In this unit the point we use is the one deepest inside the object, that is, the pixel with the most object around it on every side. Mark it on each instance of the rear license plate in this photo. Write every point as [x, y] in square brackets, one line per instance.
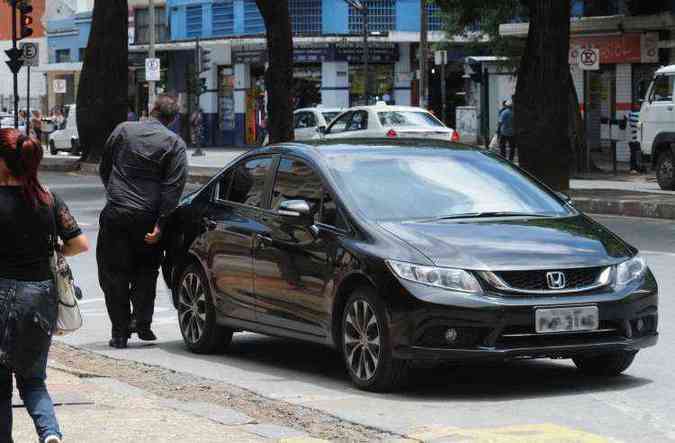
[579, 318]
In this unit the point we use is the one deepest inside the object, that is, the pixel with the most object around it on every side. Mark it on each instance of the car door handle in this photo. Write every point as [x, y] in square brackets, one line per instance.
[209, 224]
[670, 108]
[263, 240]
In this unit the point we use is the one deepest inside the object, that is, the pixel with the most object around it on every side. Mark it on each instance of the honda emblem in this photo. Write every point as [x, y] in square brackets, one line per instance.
[556, 280]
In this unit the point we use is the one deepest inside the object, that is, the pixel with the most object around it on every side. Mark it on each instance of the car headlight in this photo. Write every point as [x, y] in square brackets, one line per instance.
[446, 278]
[630, 270]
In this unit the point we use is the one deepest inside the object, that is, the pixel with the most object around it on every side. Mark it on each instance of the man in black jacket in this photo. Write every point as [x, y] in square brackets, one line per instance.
[144, 169]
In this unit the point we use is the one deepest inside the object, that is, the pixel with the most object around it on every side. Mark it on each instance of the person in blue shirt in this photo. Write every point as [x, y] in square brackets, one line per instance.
[505, 131]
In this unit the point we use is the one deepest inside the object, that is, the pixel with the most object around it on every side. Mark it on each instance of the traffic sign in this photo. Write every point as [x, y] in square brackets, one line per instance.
[589, 59]
[60, 86]
[441, 58]
[31, 54]
[15, 59]
[152, 70]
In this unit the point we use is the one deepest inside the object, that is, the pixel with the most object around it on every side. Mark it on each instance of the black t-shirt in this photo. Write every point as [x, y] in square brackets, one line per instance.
[25, 235]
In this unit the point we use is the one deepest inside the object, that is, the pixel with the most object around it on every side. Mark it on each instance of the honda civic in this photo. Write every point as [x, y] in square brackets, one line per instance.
[398, 251]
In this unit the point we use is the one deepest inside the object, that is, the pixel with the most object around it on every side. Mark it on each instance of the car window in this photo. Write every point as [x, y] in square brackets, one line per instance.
[296, 180]
[340, 124]
[382, 183]
[329, 116]
[330, 214]
[407, 118]
[662, 91]
[248, 181]
[223, 189]
[304, 120]
[358, 122]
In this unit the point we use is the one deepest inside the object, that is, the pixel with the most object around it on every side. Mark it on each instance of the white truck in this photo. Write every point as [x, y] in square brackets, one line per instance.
[656, 126]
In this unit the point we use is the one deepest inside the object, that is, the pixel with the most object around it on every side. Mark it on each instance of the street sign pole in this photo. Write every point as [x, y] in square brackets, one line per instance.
[444, 112]
[15, 73]
[151, 54]
[27, 100]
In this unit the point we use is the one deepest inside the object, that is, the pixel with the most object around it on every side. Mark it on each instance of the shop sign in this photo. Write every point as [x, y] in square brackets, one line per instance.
[624, 48]
[377, 53]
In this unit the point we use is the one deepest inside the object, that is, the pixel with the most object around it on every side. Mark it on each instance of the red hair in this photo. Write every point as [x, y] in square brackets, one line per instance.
[23, 156]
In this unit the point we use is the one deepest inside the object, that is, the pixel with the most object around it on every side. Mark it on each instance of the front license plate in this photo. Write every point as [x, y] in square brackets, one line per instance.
[579, 318]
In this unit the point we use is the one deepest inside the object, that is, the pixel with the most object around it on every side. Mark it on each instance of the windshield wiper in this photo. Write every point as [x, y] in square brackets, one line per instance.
[484, 214]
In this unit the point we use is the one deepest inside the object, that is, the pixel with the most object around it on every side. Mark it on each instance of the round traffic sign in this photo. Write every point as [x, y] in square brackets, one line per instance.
[588, 57]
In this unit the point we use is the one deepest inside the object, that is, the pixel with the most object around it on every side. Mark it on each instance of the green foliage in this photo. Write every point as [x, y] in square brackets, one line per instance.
[477, 22]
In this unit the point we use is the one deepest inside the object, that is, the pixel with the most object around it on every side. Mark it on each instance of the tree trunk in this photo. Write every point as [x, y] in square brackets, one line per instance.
[279, 74]
[542, 94]
[102, 101]
[577, 130]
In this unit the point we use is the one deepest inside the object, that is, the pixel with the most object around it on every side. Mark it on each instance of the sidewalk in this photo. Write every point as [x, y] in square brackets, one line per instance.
[99, 409]
[598, 193]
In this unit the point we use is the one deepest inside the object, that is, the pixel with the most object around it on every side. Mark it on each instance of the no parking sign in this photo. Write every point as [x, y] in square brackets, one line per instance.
[589, 59]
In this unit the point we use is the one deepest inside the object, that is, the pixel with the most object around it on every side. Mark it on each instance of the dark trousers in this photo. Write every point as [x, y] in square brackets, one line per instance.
[127, 267]
[511, 140]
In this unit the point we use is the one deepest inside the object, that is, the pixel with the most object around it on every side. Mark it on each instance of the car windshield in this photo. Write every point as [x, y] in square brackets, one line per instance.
[329, 116]
[387, 184]
[408, 118]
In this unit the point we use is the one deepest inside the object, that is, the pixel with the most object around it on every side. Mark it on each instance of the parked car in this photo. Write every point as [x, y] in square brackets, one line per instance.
[66, 138]
[656, 127]
[382, 120]
[404, 250]
[309, 123]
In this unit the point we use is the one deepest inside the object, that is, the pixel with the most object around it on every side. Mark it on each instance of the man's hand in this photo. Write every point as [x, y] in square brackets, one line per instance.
[152, 238]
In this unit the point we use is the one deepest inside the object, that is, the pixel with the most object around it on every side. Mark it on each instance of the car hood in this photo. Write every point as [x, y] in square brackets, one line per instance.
[513, 244]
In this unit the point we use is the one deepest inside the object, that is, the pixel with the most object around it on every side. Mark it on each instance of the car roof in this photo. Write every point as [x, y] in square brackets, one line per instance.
[321, 149]
[319, 108]
[384, 108]
[666, 70]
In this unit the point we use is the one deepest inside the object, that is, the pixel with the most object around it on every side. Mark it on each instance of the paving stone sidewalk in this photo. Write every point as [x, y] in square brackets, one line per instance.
[97, 409]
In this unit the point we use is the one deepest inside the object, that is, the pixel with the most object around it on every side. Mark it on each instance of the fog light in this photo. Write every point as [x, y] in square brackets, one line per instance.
[640, 325]
[451, 335]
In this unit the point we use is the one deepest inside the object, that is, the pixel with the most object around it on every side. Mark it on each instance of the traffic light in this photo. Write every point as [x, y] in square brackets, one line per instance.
[204, 60]
[202, 85]
[15, 59]
[26, 20]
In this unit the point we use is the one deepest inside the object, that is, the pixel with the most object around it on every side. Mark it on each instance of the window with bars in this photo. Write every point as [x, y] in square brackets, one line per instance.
[142, 25]
[253, 21]
[435, 18]
[305, 16]
[381, 17]
[193, 21]
[223, 18]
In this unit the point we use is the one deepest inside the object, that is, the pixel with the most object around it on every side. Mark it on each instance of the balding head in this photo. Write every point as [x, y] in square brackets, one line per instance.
[165, 108]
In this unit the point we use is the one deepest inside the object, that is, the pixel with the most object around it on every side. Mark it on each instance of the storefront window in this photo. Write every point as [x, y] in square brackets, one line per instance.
[381, 83]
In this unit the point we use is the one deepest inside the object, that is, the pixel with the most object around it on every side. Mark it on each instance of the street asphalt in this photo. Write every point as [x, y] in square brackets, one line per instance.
[547, 400]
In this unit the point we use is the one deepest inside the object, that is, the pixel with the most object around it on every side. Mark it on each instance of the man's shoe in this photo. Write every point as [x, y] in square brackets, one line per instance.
[118, 342]
[146, 335]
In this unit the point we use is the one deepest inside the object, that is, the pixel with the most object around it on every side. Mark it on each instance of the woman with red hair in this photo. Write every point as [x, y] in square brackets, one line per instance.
[29, 217]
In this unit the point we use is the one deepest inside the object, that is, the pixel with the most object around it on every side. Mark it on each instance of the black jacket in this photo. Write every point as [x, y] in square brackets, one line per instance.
[144, 168]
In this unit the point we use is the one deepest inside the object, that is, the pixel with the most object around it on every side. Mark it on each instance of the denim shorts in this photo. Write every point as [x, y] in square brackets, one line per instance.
[28, 313]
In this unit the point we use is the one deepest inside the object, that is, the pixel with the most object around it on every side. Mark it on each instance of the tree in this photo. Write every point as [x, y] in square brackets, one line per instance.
[102, 93]
[546, 106]
[279, 74]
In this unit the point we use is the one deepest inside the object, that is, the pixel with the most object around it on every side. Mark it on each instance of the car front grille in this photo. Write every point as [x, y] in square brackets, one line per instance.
[537, 281]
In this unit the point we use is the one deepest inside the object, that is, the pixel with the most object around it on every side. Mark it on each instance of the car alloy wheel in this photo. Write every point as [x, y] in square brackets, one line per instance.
[197, 314]
[665, 173]
[192, 307]
[362, 340]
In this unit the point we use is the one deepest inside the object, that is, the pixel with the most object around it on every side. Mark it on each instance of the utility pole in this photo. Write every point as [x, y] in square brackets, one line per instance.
[28, 100]
[444, 98]
[366, 50]
[151, 53]
[16, 80]
[197, 91]
[424, 48]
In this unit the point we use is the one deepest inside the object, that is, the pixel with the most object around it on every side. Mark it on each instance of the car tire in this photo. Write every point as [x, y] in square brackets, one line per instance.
[605, 365]
[368, 356]
[52, 148]
[197, 314]
[665, 172]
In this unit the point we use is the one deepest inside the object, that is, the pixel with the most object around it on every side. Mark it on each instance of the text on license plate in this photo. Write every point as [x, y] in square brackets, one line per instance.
[578, 318]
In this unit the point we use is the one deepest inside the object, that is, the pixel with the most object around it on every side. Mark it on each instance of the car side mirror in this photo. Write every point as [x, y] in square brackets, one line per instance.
[564, 197]
[295, 208]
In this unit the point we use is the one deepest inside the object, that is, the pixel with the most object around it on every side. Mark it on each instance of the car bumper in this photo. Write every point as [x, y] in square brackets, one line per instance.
[503, 328]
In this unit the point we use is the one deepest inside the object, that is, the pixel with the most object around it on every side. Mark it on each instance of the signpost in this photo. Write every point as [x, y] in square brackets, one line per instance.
[60, 86]
[152, 70]
[30, 57]
[441, 58]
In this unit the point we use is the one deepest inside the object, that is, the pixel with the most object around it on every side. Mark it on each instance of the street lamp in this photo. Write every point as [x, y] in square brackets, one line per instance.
[362, 7]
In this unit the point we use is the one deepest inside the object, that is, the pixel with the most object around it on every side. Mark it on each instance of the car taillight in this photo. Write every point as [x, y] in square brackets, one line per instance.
[455, 136]
[392, 134]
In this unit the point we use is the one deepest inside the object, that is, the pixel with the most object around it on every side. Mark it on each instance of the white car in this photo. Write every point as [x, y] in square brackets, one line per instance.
[308, 122]
[66, 138]
[382, 120]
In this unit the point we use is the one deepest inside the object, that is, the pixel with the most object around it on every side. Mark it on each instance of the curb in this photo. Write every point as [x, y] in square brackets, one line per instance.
[626, 208]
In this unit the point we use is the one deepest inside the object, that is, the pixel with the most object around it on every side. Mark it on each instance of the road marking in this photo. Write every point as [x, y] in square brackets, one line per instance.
[545, 432]
[90, 300]
[670, 254]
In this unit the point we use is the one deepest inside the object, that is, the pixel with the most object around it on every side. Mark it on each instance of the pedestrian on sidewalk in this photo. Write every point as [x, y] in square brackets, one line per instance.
[505, 131]
[28, 298]
[144, 169]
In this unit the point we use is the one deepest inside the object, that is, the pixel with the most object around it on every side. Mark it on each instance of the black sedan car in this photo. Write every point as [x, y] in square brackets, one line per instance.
[400, 251]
